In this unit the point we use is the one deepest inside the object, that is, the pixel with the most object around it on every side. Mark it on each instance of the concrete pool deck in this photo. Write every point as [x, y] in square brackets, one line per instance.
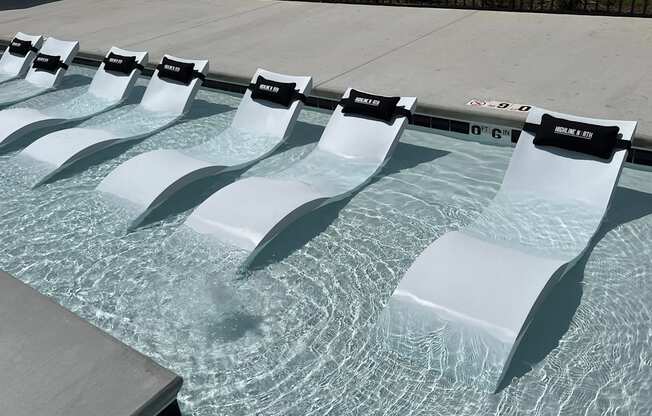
[589, 65]
[54, 363]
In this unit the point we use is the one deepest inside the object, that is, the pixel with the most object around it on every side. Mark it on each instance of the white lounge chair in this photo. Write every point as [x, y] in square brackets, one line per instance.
[491, 275]
[18, 56]
[46, 72]
[164, 102]
[108, 89]
[353, 148]
[258, 128]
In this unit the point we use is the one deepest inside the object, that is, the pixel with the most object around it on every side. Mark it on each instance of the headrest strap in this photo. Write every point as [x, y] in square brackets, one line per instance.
[195, 73]
[32, 47]
[295, 96]
[533, 128]
[403, 112]
[399, 111]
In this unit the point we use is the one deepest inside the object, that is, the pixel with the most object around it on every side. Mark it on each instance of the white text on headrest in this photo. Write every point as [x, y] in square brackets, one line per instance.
[172, 68]
[580, 134]
[269, 88]
[367, 101]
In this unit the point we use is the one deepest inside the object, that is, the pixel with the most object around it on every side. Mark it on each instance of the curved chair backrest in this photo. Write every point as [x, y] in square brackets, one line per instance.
[19, 65]
[561, 174]
[362, 137]
[169, 96]
[66, 50]
[115, 86]
[267, 117]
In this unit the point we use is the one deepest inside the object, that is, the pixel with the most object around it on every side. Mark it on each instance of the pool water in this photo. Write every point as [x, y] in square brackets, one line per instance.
[307, 330]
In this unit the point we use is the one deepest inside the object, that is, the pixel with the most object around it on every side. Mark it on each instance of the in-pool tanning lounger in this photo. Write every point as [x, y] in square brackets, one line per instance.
[110, 86]
[45, 74]
[357, 141]
[167, 98]
[264, 120]
[491, 275]
[18, 56]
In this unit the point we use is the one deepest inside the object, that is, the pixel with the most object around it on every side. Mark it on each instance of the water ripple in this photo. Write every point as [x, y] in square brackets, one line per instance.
[307, 330]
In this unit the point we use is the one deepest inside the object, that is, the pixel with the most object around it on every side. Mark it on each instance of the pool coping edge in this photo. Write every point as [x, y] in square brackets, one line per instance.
[439, 118]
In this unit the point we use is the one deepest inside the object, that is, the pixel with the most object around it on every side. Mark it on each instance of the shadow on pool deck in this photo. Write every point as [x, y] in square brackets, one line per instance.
[297, 234]
[22, 4]
[553, 318]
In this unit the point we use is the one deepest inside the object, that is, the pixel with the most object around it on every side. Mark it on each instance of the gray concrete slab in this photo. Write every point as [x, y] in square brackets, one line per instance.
[575, 64]
[54, 363]
[589, 65]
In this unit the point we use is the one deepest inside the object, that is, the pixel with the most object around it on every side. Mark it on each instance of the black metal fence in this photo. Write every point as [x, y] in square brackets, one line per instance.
[638, 8]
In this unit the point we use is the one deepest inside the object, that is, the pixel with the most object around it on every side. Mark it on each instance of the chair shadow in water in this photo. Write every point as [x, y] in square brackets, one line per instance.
[297, 234]
[553, 317]
[22, 4]
[234, 326]
[199, 190]
[73, 81]
[29, 138]
[303, 134]
[206, 109]
[202, 108]
[70, 81]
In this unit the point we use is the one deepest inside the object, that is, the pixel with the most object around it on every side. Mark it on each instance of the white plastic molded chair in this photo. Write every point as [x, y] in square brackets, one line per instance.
[37, 82]
[249, 213]
[258, 128]
[13, 66]
[492, 274]
[106, 90]
[163, 103]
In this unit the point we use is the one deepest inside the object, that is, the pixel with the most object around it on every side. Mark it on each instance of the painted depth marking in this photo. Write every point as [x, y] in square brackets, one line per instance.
[500, 105]
[491, 132]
